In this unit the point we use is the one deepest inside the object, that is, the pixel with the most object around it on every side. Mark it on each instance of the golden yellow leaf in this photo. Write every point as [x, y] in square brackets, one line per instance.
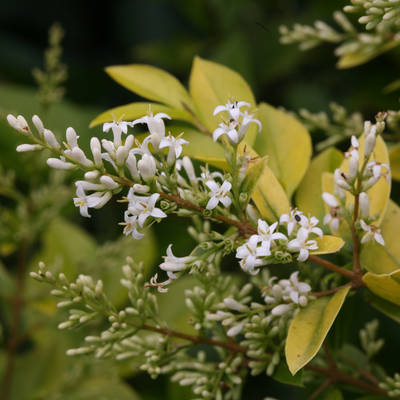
[310, 327]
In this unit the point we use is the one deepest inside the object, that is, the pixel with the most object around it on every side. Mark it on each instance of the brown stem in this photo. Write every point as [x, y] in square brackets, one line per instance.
[232, 346]
[17, 305]
[331, 291]
[338, 376]
[324, 385]
[245, 227]
[362, 371]
[335, 268]
[331, 363]
[332, 373]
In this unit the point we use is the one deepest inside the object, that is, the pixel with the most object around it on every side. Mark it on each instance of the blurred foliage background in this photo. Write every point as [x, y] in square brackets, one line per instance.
[241, 34]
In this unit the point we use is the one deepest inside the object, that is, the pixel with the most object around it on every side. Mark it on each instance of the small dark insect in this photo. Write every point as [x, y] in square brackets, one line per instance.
[297, 218]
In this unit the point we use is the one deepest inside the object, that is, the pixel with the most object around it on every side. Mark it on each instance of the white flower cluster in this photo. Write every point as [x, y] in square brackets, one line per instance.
[269, 247]
[235, 128]
[359, 178]
[287, 294]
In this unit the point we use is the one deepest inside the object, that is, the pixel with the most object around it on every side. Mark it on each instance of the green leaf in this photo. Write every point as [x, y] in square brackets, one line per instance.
[372, 397]
[355, 58]
[282, 374]
[386, 286]
[253, 176]
[380, 192]
[172, 305]
[151, 83]
[328, 244]
[394, 155]
[102, 387]
[330, 394]
[309, 328]
[395, 85]
[138, 110]
[309, 194]
[210, 85]
[384, 259]
[288, 144]
[386, 307]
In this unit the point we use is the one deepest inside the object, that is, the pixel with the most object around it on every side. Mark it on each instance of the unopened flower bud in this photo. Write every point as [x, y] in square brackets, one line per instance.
[91, 175]
[364, 205]
[380, 127]
[353, 167]
[370, 142]
[121, 155]
[23, 148]
[369, 183]
[234, 305]
[235, 330]
[109, 148]
[343, 184]
[51, 139]
[56, 163]
[80, 156]
[108, 182]
[367, 127]
[38, 125]
[280, 310]
[147, 167]
[72, 137]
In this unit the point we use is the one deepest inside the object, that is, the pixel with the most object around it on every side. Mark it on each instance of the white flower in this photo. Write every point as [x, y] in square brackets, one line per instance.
[147, 209]
[354, 151]
[175, 144]
[296, 289]
[246, 121]
[292, 219]
[117, 126]
[333, 216]
[155, 125]
[249, 252]
[218, 194]
[309, 224]
[376, 168]
[266, 235]
[372, 232]
[131, 225]
[230, 132]
[302, 244]
[232, 108]
[85, 202]
[172, 263]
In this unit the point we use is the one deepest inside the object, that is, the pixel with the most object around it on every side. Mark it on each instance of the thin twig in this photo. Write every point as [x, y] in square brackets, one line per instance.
[201, 127]
[331, 291]
[324, 385]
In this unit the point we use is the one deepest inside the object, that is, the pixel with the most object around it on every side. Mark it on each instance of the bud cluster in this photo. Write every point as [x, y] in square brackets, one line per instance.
[363, 174]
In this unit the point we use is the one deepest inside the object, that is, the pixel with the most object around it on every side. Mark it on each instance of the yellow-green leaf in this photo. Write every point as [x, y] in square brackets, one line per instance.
[394, 155]
[380, 259]
[138, 110]
[328, 244]
[386, 286]
[269, 196]
[210, 85]
[309, 194]
[151, 83]
[253, 176]
[310, 327]
[355, 58]
[201, 147]
[288, 144]
[386, 307]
